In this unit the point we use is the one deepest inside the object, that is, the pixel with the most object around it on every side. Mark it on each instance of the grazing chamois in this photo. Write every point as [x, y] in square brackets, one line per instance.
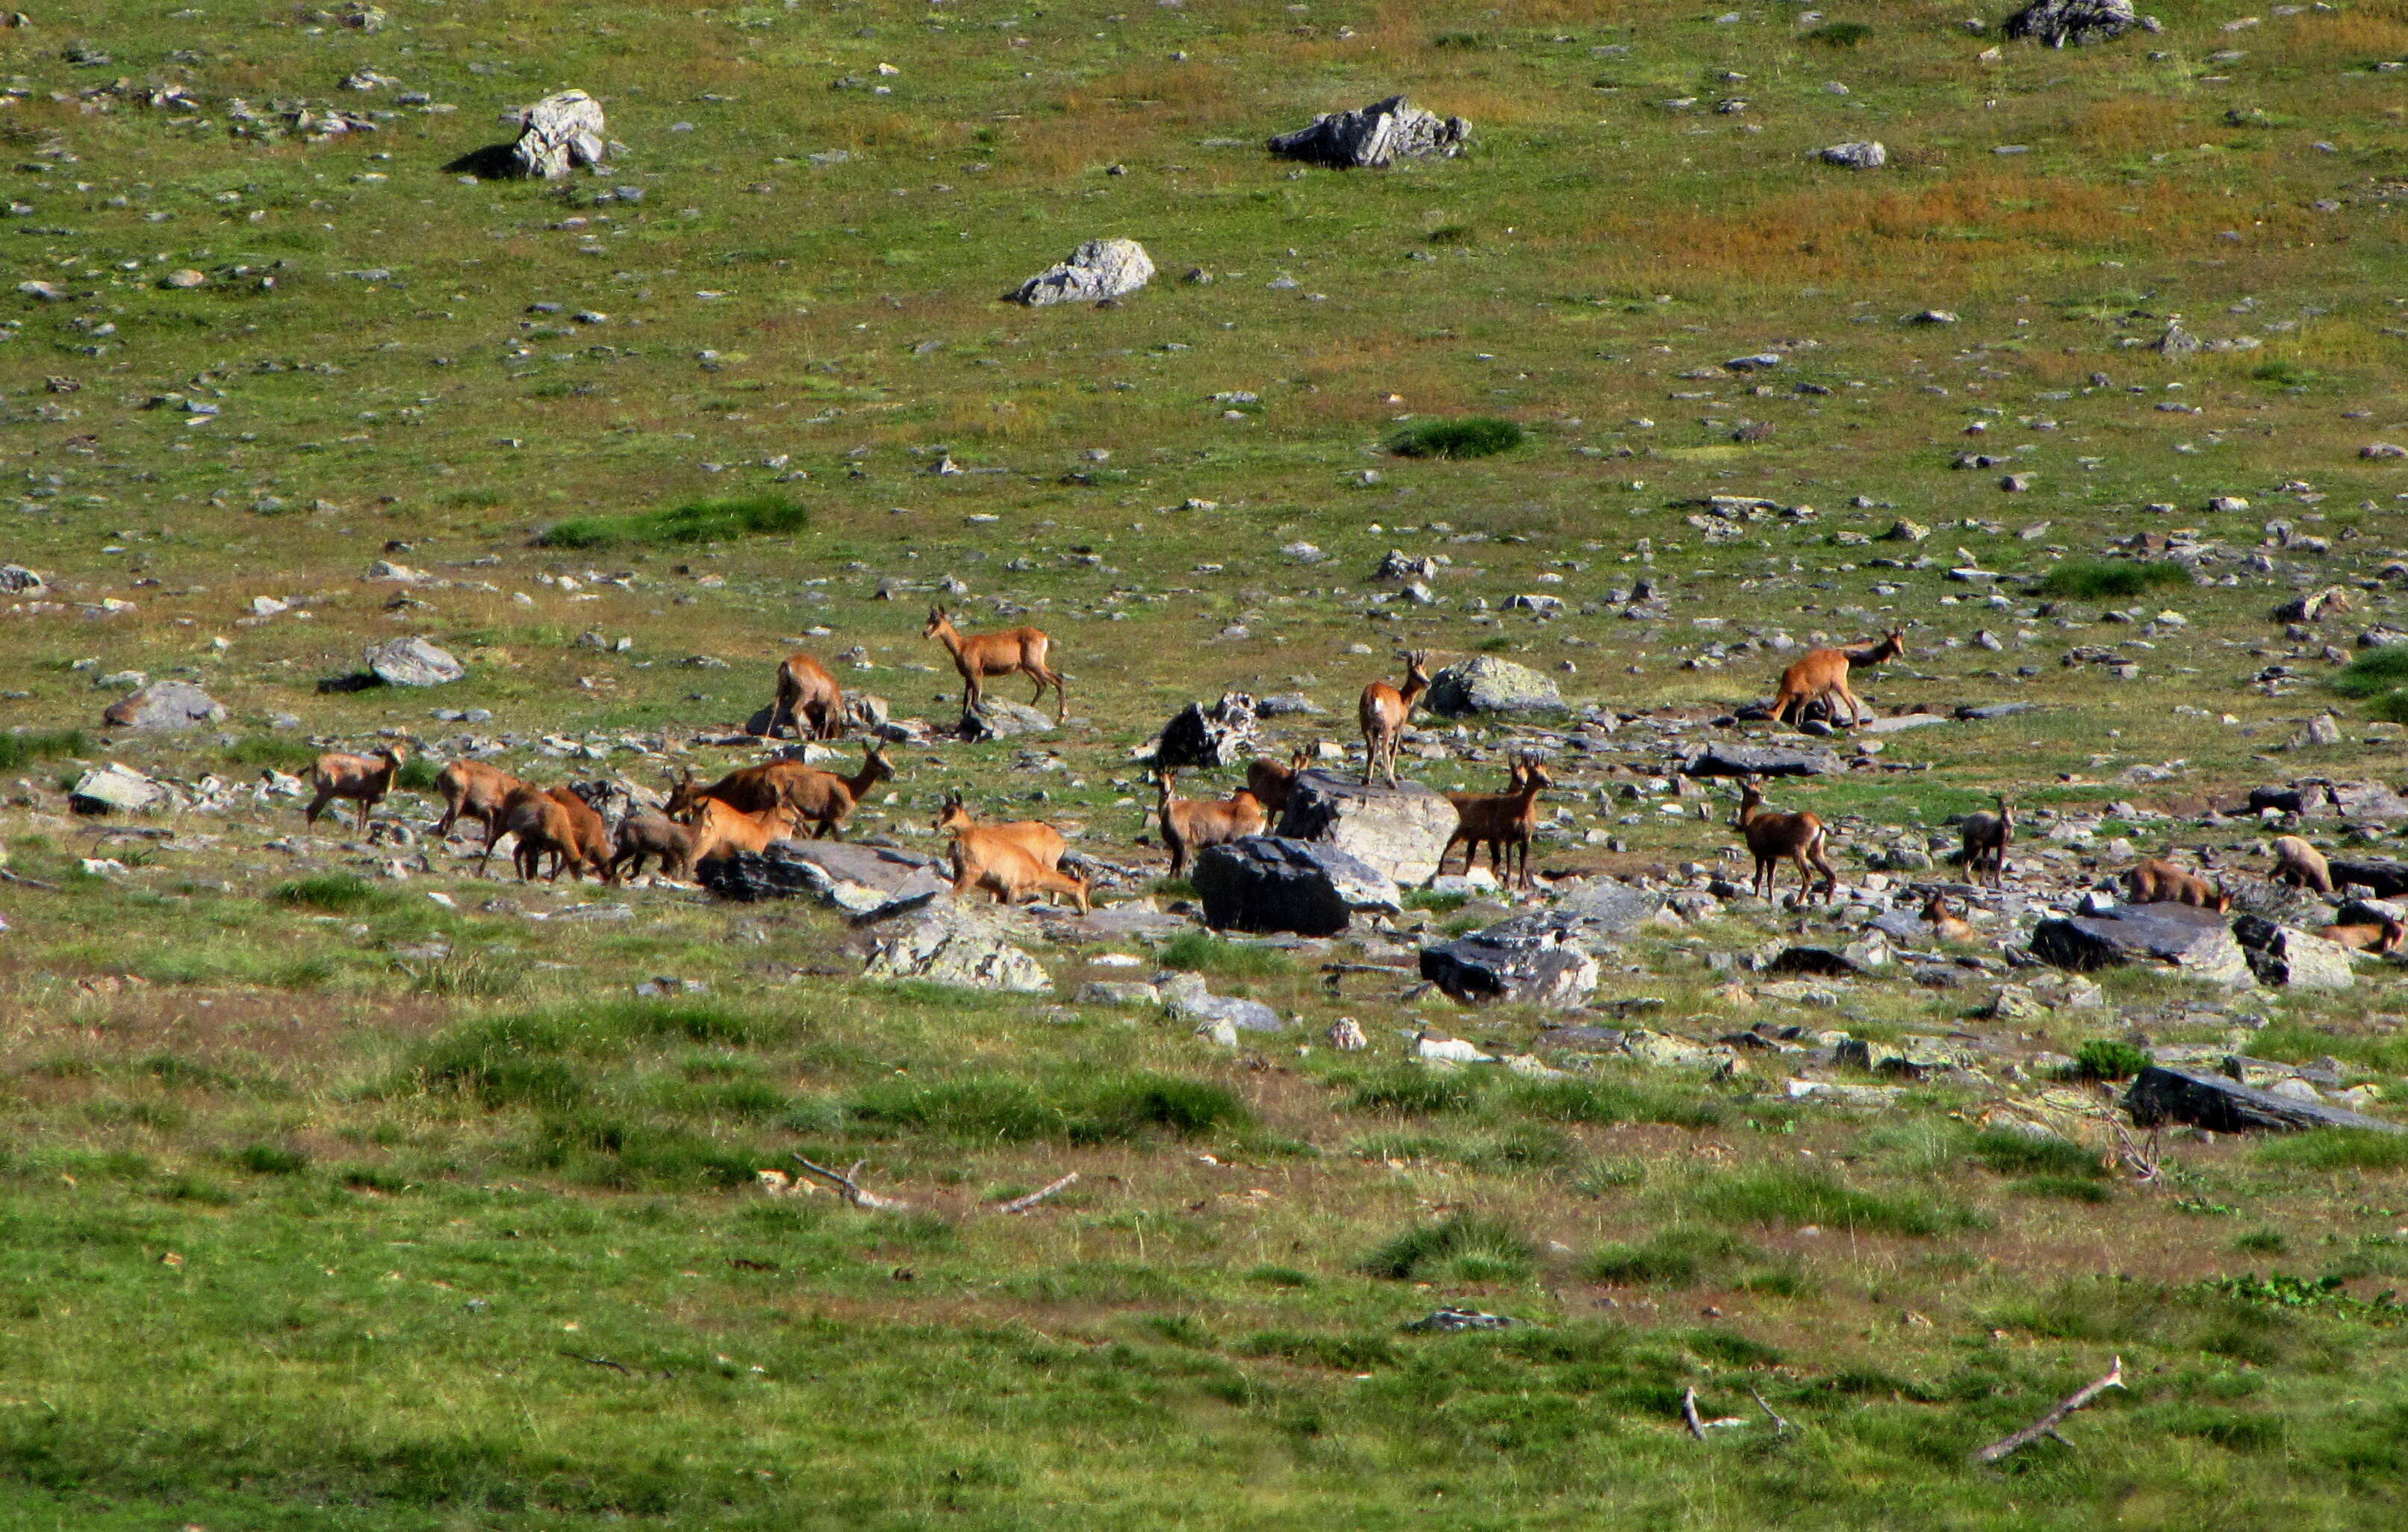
[1773, 839]
[647, 832]
[748, 789]
[806, 694]
[1985, 837]
[1271, 782]
[560, 824]
[1384, 712]
[1190, 824]
[2157, 881]
[823, 798]
[472, 790]
[1502, 822]
[719, 830]
[2383, 937]
[2301, 865]
[1009, 861]
[1824, 673]
[1012, 651]
[364, 779]
[1945, 922]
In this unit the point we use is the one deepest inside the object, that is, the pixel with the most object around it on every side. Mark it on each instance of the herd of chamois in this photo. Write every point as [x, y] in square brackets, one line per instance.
[558, 829]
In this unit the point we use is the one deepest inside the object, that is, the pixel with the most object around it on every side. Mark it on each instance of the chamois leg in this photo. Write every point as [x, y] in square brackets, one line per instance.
[367, 806]
[318, 806]
[1857, 712]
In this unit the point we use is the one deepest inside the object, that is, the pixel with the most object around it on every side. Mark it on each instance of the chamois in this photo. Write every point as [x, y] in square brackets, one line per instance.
[1009, 861]
[1012, 651]
[2383, 937]
[719, 830]
[365, 778]
[748, 789]
[472, 790]
[1035, 837]
[1190, 824]
[1945, 922]
[554, 821]
[1271, 782]
[2301, 865]
[1772, 839]
[647, 832]
[806, 694]
[1384, 712]
[1502, 822]
[1985, 837]
[823, 798]
[1824, 673]
[2156, 882]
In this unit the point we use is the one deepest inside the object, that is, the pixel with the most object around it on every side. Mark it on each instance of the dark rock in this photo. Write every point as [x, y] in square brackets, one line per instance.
[1486, 684]
[2196, 942]
[2383, 877]
[1514, 963]
[1452, 1321]
[2058, 22]
[1718, 759]
[1970, 713]
[2283, 800]
[1817, 962]
[859, 878]
[168, 705]
[1374, 136]
[1268, 883]
[2166, 1093]
[1398, 831]
[2281, 955]
[1219, 736]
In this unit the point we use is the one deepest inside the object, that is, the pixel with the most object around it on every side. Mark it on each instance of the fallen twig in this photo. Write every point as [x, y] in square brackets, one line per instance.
[1021, 1204]
[619, 1368]
[1779, 1426]
[2046, 1426]
[29, 882]
[850, 1189]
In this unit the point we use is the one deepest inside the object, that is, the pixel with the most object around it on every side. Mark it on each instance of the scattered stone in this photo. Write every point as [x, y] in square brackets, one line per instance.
[1000, 718]
[2167, 1093]
[1098, 270]
[1514, 963]
[1971, 715]
[183, 277]
[16, 580]
[118, 790]
[1219, 736]
[1862, 154]
[2194, 942]
[1289, 705]
[1486, 684]
[413, 661]
[559, 134]
[1725, 760]
[1399, 831]
[169, 705]
[859, 879]
[1188, 999]
[959, 945]
[1454, 1321]
[1373, 137]
[1271, 883]
[2058, 22]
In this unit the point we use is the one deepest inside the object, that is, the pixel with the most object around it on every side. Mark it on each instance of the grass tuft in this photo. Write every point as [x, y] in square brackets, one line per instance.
[1475, 436]
[1678, 1256]
[1196, 951]
[2107, 580]
[2338, 1149]
[334, 892]
[721, 520]
[19, 748]
[1462, 1246]
[1793, 1195]
[2109, 1058]
[1840, 33]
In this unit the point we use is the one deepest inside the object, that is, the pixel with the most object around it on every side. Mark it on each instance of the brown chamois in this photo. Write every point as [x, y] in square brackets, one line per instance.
[1823, 674]
[1945, 922]
[364, 779]
[2301, 865]
[1382, 714]
[1009, 861]
[647, 832]
[1985, 837]
[1503, 821]
[1034, 837]
[2383, 937]
[568, 831]
[806, 695]
[823, 798]
[1190, 824]
[472, 790]
[719, 830]
[748, 790]
[1271, 782]
[1012, 651]
[1773, 839]
[2157, 881]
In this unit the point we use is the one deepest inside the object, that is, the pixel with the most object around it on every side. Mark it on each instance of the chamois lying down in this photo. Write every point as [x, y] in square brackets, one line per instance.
[2160, 882]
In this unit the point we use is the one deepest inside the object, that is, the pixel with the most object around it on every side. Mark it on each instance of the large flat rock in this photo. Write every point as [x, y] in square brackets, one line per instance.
[2166, 1093]
[1269, 883]
[1733, 760]
[1398, 831]
[2194, 942]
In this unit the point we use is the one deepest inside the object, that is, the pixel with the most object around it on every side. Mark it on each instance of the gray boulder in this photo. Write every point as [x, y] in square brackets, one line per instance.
[956, 944]
[1862, 154]
[118, 790]
[1728, 760]
[845, 875]
[1373, 137]
[1000, 718]
[413, 661]
[1189, 1000]
[1398, 831]
[1486, 684]
[2166, 1093]
[1514, 963]
[1219, 736]
[168, 705]
[1267, 883]
[1095, 271]
[16, 580]
[2194, 942]
[559, 134]
[2058, 22]
[2285, 955]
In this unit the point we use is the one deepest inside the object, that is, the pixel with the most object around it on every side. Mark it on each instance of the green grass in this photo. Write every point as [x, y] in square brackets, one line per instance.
[21, 748]
[1674, 1257]
[1462, 1246]
[334, 892]
[1840, 33]
[1199, 951]
[1786, 1195]
[695, 522]
[2111, 579]
[2337, 1149]
[1477, 436]
[2377, 673]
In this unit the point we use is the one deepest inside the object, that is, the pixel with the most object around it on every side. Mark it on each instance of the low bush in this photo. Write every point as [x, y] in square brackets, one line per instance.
[1474, 436]
[1462, 1247]
[2109, 1058]
[2105, 579]
[720, 520]
[334, 892]
[2030, 1154]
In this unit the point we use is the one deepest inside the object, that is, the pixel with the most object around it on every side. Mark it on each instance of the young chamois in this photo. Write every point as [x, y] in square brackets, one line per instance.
[1010, 861]
[1502, 822]
[364, 779]
[1945, 922]
[1190, 824]
[824, 799]
[1384, 712]
[1271, 782]
[1012, 651]
[2301, 865]
[554, 821]
[748, 789]
[647, 832]
[1985, 839]
[719, 828]
[472, 790]
[2157, 881]
[2384, 936]
[806, 694]
[1823, 674]
[1773, 839]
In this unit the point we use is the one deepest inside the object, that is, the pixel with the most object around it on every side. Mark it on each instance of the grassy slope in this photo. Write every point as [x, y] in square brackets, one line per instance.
[384, 1221]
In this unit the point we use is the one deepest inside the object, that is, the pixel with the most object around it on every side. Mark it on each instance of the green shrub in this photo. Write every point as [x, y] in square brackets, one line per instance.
[334, 892]
[1672, 1258]
[1795, 1195]
[2028, 1155]
[2378, 672]
[1840, 33]
[720, 520]
[19, 748]
[284, 753]
[1134, 1105]
[1467, 1247]
[1475, 436]
[2109, 1058]
[2105, 580]
[996, 1108]
[1196, 951]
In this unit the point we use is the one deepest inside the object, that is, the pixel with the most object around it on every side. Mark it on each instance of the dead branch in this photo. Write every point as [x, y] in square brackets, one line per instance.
[850, 1190]
[29, 882]
[621, 1368]
[1779, 1426]
[1689, 1413]
[1021, 1204]
[2046, 1426]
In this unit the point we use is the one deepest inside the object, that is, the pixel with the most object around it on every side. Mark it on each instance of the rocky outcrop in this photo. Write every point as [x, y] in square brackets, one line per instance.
[1398, 831]
[1268, 883]
[2166, 1093]
[1725, 760]
[2383, 877]
[956, 944]
[1373, 137]
[413, 661]
[2282, 954]
[1098, 270]
[1219, 736]
[2058, 22]
[559, 134]
[2194, 942]
[1486, 684]
[845, 875]
[1000, 718]
[1859, 154]
[1514, 963]
[118, 790]
[167, 706]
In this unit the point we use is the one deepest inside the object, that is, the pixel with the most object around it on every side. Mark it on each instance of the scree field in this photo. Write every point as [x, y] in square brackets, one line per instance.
[343, 1185]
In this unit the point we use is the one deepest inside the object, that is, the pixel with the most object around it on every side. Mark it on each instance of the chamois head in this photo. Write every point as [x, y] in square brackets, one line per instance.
[1416, 663]
[685, 796]
[1532, 772]
[938, 622]
[954, 814]
[2393, 935]
[395, 753]
[875, 765]
[1750, 800]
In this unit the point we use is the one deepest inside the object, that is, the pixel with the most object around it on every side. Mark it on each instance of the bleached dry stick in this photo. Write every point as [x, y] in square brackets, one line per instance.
[1779, 1426]
[1689, 1413]
[1021, 1204]
[850, 1190]
[2046, 1426]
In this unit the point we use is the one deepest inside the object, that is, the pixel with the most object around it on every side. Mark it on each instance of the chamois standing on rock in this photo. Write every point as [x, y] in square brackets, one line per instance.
[1985, 836]
[1823, 674]
[1773, 839]
[1010, 861]
[1271, 783]
[2384, 936]
[2159, 881]
[806, 695]
[1384, 712]
[2301, 865]
[1015, 651]
[1504, 821]
[364, 779]
[472, 790]
[1190, 824]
